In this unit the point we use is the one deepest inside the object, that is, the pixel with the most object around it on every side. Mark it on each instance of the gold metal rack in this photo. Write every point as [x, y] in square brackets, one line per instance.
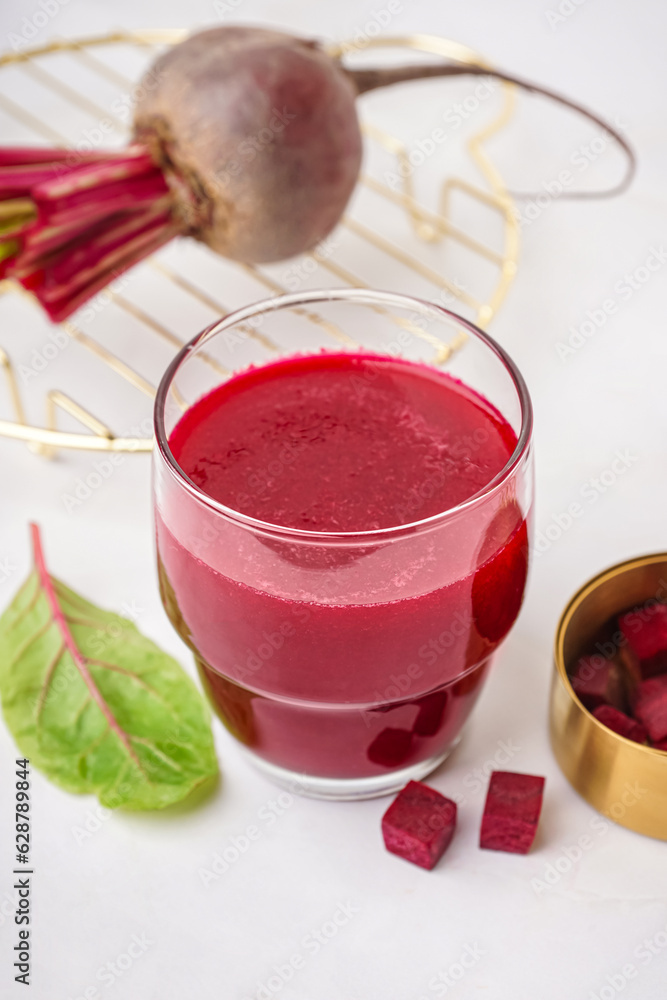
[429, 226]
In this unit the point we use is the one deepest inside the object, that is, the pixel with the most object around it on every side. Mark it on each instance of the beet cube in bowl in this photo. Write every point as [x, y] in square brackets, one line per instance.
[621, 723]
[651, 707]
[511, 812]
[646, 637]
[597, 681]
[419, 824]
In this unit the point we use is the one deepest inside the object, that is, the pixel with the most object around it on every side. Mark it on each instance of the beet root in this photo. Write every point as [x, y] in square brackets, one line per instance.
[511, 812]
[621, 723]
[646, 635]
[258, 132]
[651, 707]
[246, 139]
[419, 825]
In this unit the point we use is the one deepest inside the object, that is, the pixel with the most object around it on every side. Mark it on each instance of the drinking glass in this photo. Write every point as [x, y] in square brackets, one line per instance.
[344, 663]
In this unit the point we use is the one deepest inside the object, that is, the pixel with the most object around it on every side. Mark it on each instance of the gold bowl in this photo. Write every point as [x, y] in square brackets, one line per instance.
[625, 781]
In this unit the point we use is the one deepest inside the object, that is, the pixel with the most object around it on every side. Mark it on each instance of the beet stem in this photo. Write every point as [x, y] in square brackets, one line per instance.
[136, 163]
[18, 156]
[59, 310]
[83, 223]
[127, 194]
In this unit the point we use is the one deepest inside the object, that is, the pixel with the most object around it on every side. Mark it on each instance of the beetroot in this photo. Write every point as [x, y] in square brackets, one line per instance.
[646, 649]
[660, 745]
[651, 707]
[621, 723]
[598, 681]
[419, 824]
[511, 812]
[244, 138]
[274, 175]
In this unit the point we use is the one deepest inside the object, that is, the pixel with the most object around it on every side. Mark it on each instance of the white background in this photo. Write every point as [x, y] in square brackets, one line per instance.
[139, 874]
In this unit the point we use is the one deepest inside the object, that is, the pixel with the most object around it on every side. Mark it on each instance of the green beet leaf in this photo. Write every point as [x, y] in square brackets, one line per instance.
[95, 704]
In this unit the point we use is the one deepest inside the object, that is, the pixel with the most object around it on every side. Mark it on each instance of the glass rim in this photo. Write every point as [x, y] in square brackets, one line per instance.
[362, 296]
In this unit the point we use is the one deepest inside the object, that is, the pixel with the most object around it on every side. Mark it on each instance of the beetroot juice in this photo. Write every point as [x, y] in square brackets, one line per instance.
[342, 628]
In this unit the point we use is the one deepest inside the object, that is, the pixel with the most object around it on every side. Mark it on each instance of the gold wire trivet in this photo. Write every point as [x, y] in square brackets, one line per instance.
[429, 226]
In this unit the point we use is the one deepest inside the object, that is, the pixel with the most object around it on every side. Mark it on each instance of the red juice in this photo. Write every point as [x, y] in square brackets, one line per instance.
[330, 656]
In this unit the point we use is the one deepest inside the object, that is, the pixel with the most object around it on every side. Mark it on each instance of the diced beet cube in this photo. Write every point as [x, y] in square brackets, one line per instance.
[621, 723]
[598, 681]
[511, 812]
[660, 745]
[419, 824]
[646, 633]
[651, 707]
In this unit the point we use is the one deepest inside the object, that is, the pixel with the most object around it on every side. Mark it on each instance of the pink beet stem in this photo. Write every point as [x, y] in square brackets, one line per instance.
[67, 271]
[20, 180]
[81, 261]
[21, 171]
[95, 175]
[38, 240]
[58, 310]
[16, 155]
[106, 200]
[96, 217]
[56, 295]
[39, 256]
[61, 271]
[92, 214]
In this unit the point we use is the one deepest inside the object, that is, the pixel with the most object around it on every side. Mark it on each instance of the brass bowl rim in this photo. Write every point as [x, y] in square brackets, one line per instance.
[564, 623]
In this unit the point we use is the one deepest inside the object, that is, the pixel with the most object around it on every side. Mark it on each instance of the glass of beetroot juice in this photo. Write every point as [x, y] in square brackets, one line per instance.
[341, 507]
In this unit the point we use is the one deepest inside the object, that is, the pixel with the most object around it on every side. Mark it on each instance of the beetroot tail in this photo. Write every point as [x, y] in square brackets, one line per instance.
[371, 79]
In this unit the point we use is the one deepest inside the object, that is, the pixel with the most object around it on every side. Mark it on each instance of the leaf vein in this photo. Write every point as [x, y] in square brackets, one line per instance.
[58, 617]
[84, 705]
[157, 752]
[85, 622]
[130, 673]
[24, 612]
[43, 628]
[50, 670]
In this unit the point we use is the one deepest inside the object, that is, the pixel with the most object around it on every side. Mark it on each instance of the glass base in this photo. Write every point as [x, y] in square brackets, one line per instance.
[347, 789]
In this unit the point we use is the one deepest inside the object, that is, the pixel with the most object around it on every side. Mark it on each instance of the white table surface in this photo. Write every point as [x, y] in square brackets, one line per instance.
[406, 930]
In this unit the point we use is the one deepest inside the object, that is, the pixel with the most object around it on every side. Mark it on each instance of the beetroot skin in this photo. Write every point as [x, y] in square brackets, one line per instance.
[511, 812]
[646, 637]
[259, 132]
[621, 723]
[597, 681]
[419, 825]
[651, 707]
